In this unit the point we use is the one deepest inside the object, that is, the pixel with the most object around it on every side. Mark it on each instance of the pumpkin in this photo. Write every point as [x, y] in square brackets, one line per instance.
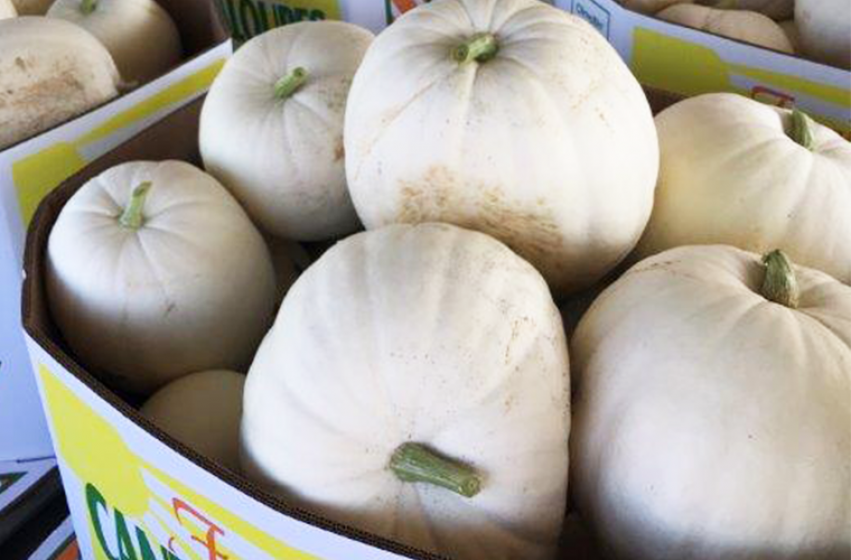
[415, 385]
[775, 9]
[32, 7]
[272, 128]
[203, 412]
[50, 71]
[154, 271]
[140, 35]
[650, 6]
[7, 9]
[503, 117]
[737, 172]
[712, 410]
[742, 25]
[825, 30]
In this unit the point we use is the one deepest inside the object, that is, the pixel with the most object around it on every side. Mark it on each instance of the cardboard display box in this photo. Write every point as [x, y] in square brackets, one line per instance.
[32, 168]
[664, 56]
[131, 487]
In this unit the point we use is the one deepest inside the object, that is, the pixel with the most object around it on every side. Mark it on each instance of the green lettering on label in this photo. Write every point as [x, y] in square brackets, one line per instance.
[126, 550]
[95, 499]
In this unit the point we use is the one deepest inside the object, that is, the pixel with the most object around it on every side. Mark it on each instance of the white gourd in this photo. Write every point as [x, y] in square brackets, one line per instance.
[140, 35]
[711, 421]
[154, 272]
[203, 411]
[272, 128]
[738, 172]
[742, 25]
[825, 30]
[50, 71]
[412, 336]
[505, 116]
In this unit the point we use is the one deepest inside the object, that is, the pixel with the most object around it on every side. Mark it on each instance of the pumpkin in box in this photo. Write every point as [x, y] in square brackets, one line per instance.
[139, 34]
[154, 271]
[50, 71]
[272, 128]
[712, 410]
[415, 385]
[738, 172]
[509, 117]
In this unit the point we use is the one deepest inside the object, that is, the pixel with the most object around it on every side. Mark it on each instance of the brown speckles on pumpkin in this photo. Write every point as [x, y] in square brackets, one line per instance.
[441, 196]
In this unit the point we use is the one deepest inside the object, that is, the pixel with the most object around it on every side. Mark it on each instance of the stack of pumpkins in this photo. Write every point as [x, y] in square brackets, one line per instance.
[61, 58]
[415, 382]
[818, 29]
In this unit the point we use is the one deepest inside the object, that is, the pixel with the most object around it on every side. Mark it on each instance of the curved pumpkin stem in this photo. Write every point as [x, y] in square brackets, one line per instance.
[288, 85]
[132, 217]
[480, 47]
[414, 462]
[780, 284]
[802, 129]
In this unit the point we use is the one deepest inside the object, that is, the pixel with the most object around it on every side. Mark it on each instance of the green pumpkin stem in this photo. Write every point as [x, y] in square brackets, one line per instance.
[480, 47]
[132, 217]
[288, 85]
[413, 462]
[802, 129]
[780, 284]
[88, 6]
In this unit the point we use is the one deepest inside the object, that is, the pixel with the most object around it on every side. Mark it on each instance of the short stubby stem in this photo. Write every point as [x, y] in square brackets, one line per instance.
[88, 6]
[480, 47]
[133, 217]
[801, 130]
[288, 85]
[780, 284]
[414, 462]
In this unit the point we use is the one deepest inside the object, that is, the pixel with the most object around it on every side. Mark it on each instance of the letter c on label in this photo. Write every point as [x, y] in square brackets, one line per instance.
[94, 499]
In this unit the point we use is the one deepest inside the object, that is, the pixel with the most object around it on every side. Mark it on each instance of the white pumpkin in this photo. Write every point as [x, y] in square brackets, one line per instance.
[505, 116]
[825, 30]
[775, 9]
[7, 9]
[742, 25]
[731, 173]
[412, 336]
[50, 71]
[651, 6]
[203, 411]
[709, 422]
[154, 272]
[272, 127]
[32, 7]
[140, 35]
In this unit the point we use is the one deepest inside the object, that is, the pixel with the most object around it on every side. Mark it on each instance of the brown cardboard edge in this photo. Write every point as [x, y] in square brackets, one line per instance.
[35, 312]
[215, 31]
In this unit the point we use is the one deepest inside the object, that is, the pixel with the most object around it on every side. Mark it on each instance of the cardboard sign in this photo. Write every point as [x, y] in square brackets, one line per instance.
[31, 169]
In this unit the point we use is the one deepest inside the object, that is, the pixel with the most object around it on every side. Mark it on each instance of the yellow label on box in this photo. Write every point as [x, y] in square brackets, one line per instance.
[135, 511]
[39, 173]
